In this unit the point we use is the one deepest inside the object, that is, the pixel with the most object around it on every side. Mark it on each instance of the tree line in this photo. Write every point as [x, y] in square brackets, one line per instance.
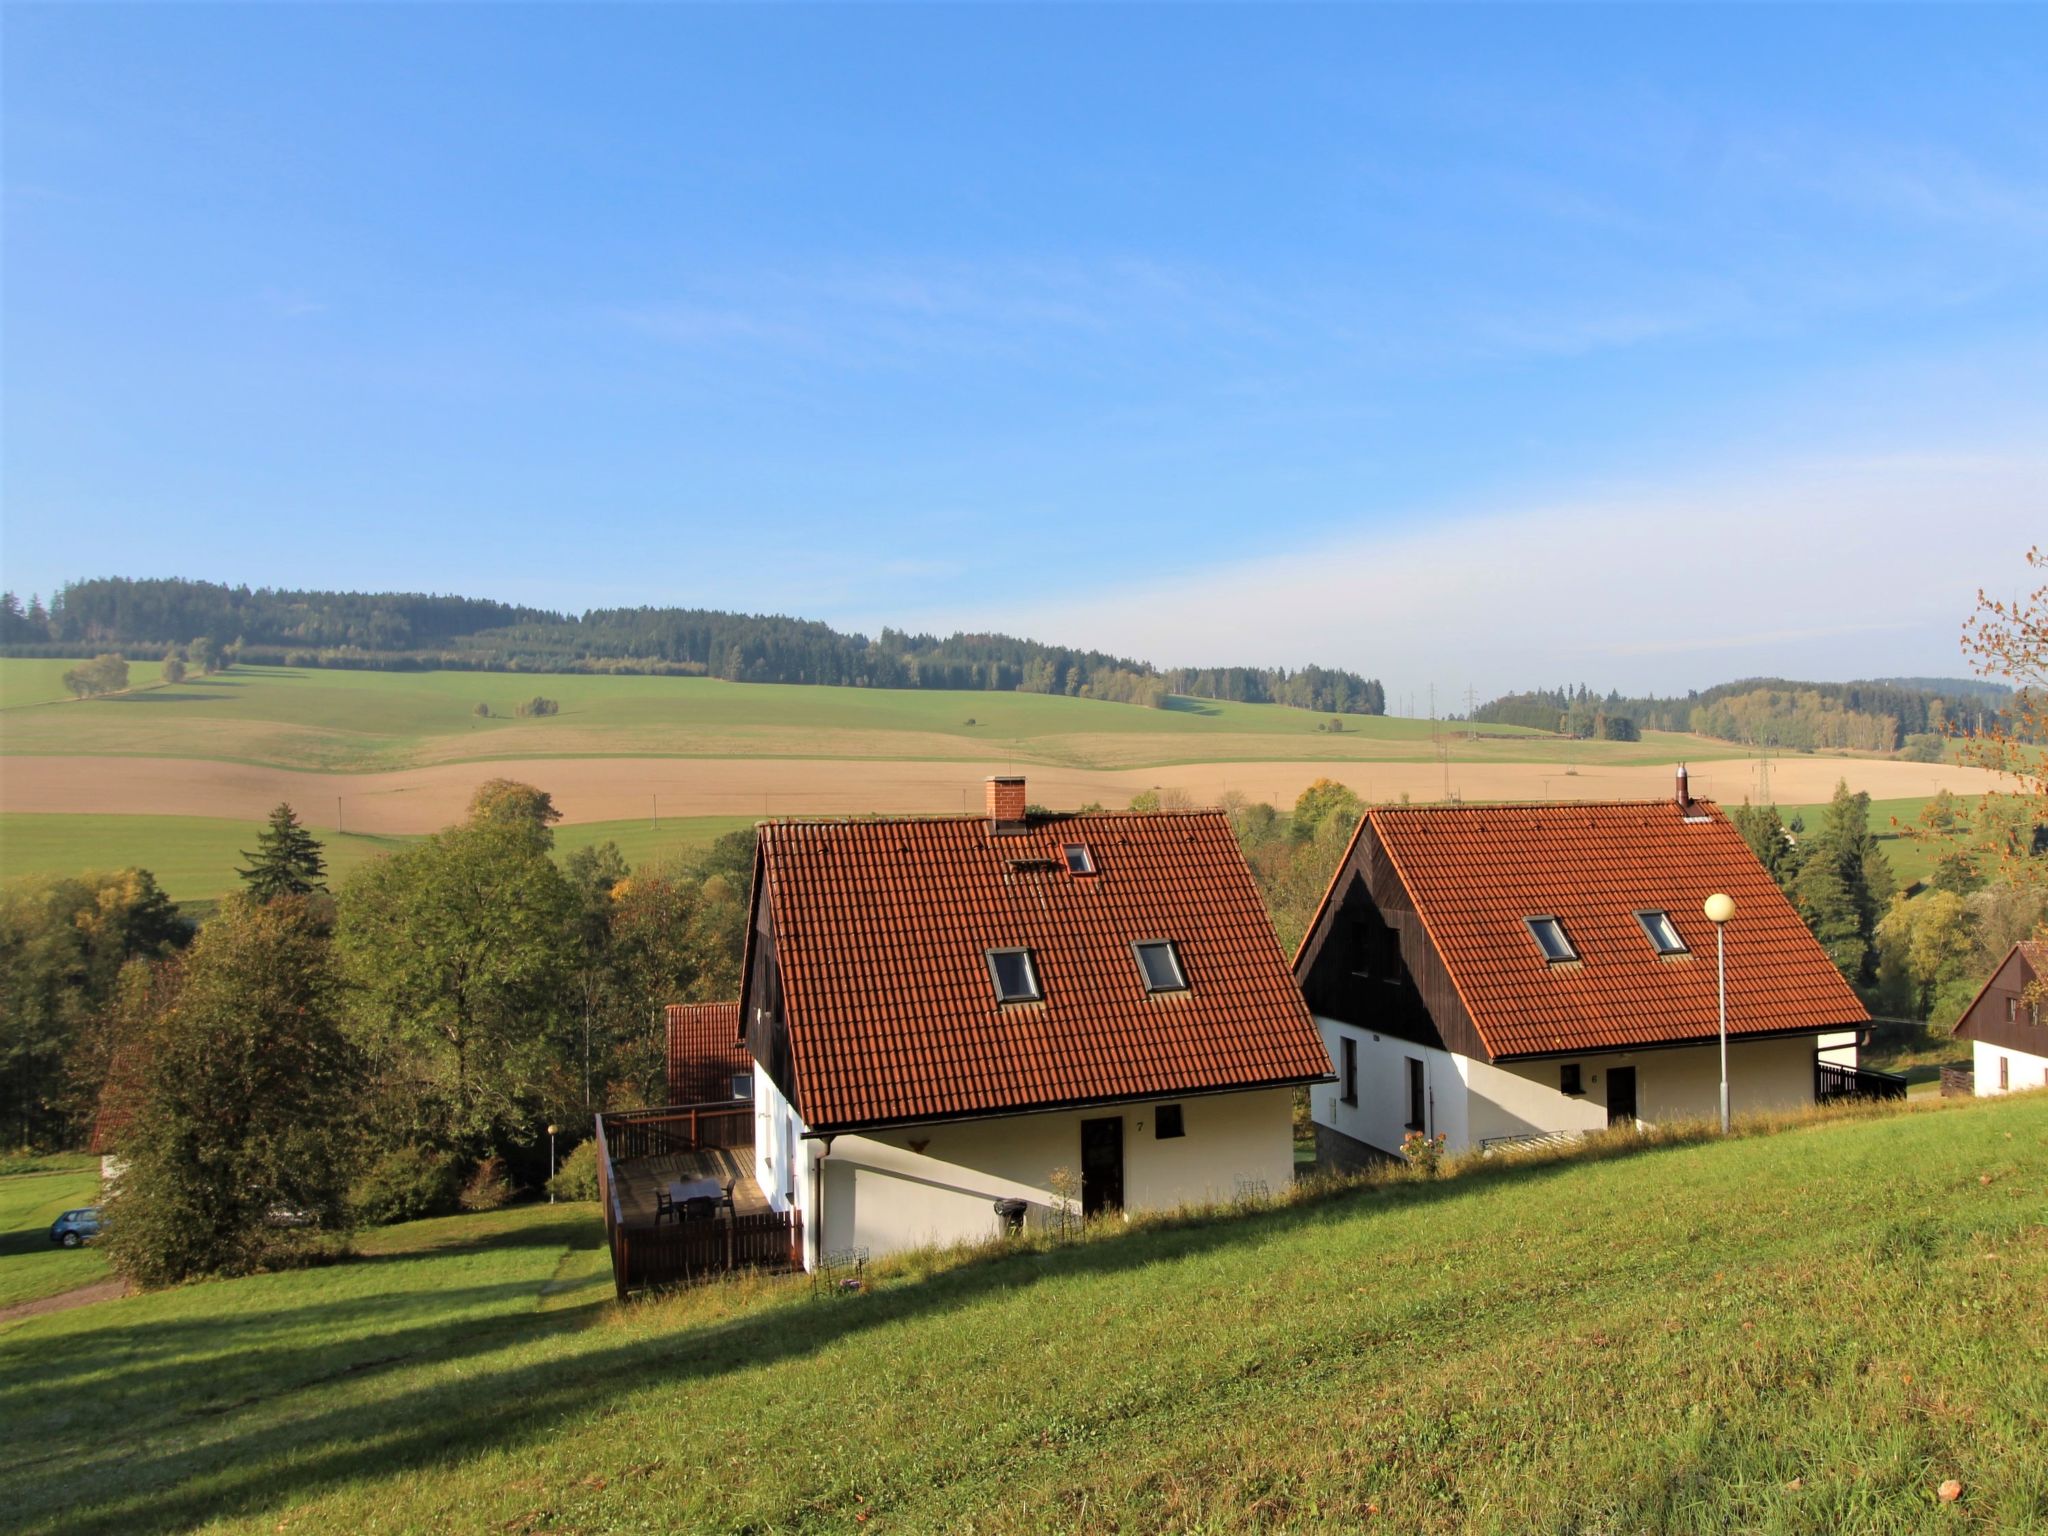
[398, 631]
[1886, 715]
[309, 1059]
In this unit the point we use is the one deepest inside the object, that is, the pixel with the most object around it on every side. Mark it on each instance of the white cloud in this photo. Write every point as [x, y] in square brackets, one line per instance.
[1827, 569]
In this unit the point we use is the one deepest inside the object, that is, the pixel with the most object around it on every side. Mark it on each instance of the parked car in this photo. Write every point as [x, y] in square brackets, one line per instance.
[74, 1227]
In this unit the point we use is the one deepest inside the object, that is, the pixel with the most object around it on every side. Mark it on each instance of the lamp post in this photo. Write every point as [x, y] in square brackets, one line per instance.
[551, 1157]
[1720, 908]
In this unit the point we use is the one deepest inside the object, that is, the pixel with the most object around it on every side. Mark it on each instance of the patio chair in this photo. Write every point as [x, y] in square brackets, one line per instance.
[663, 1206]
[726, 1198]
[700, 1208]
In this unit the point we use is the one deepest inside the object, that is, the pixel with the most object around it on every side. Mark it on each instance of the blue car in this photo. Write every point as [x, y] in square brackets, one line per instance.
[74, 1227]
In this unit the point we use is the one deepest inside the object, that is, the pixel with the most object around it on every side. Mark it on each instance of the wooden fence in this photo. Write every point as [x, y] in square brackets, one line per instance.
[1958, 1082]
[679, 1252]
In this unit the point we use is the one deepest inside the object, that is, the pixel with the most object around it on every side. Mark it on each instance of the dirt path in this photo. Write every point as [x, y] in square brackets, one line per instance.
[624, 788]
[64, 1301]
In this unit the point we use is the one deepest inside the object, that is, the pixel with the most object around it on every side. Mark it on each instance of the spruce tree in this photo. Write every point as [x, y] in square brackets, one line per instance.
[287, 859]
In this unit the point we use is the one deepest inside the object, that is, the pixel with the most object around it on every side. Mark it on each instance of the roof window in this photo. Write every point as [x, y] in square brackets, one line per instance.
[1015, 976]
[1079, 860]
[1159, 964]
[1663, 934]
[1549, 935]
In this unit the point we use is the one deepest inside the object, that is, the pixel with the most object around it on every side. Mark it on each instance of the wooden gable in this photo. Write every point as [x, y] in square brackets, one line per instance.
[2001, 1014]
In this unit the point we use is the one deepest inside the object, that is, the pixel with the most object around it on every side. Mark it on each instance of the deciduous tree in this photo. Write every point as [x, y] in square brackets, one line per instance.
[234, 1156]
[461, 953]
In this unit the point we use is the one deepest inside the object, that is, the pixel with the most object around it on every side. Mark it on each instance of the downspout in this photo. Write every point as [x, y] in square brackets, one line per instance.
[816, 1239]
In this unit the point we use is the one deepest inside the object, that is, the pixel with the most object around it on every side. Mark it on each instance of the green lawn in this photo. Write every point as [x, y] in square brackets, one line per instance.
[31, 1266]
[358, 721]
[1910, 858]
[1800, 1332]
[195, 858]
[25, 682]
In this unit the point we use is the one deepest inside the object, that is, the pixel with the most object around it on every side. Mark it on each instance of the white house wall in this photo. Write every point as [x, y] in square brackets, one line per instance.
[2022, 1070]
[1469, 1101]
[938, 1184]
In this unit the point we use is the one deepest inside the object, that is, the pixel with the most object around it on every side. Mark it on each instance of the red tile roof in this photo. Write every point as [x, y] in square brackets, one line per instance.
[1476, 872]
[881, 933]
[704, 1051]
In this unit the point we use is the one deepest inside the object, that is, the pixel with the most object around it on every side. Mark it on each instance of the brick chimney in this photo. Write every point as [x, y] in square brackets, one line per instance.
[1006, 803]
[1684, 790]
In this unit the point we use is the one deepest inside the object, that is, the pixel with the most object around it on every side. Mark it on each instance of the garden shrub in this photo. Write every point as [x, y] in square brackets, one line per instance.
[405, 1184]
[576, 1179]
[489, 1187]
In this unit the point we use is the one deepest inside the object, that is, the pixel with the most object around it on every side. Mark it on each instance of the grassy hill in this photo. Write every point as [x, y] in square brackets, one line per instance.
[195, 858]
[1805, 1331]
[341, 721]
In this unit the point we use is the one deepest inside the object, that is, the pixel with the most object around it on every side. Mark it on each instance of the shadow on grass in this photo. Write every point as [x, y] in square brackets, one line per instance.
[152, 1470]
[1181, 704]
[174, 695]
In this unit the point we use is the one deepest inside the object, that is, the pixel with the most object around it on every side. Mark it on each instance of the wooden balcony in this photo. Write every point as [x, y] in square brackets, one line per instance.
[641, 1152]
[1832, 1080]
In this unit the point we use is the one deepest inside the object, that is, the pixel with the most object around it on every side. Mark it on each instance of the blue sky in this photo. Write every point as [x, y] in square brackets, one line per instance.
[1477, 347]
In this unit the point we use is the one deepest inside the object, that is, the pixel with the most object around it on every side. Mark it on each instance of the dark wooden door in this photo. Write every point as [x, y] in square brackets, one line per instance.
[1102, 1165]
[1621, 1095]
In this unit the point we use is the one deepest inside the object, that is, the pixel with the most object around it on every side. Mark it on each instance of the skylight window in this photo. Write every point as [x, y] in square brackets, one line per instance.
[1550, 938]
[1079, 860]
[1663, 934]
[1015, 976]
[1159, 964]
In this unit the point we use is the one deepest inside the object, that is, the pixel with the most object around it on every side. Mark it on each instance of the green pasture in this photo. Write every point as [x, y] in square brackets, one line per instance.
[1911, 858]
[31, 1266]
[1806, 1331]
[32, 681]
[347, 721]
[196, 858]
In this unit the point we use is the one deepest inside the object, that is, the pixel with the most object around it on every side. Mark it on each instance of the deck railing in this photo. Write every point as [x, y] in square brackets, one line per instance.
[1833, 1080]
[679, 1128]
[682, 1251]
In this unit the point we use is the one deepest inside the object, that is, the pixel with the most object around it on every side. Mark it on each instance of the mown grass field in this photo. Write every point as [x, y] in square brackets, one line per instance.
[1806, 1331]
[1910, 858]
[195, 858]
[31, 1266]
[344, 721]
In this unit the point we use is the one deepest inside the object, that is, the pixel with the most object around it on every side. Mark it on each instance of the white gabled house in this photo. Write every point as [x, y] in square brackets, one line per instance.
[945, 1011]
[1500, 974]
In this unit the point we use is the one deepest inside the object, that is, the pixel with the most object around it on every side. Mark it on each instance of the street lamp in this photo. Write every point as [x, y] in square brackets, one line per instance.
[551, 1154]
[1720, 909]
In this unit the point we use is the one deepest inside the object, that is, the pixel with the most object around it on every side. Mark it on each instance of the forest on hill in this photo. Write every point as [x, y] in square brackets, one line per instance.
[1880, 715]
[404, 630]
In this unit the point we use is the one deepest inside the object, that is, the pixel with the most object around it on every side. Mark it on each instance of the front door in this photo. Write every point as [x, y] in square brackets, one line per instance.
[1621, 1096]
[1102, 1166]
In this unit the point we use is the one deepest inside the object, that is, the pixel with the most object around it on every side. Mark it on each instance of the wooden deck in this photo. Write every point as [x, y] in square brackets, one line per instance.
[638, 1179]
[641, 1152]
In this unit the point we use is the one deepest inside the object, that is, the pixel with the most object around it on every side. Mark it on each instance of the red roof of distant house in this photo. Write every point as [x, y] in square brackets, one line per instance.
[882, 931]
[119, 1095]
[705, 1051]
[1476, 873]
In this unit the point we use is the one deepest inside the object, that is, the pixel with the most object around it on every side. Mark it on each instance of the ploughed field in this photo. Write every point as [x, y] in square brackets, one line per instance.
[1803, 1331]
[175, 777]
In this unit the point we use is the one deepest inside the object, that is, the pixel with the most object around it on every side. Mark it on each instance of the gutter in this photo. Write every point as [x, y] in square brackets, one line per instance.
[861, 1127]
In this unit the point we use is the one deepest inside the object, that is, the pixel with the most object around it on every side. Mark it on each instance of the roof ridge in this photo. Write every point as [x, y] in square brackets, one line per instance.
[1535, 805]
